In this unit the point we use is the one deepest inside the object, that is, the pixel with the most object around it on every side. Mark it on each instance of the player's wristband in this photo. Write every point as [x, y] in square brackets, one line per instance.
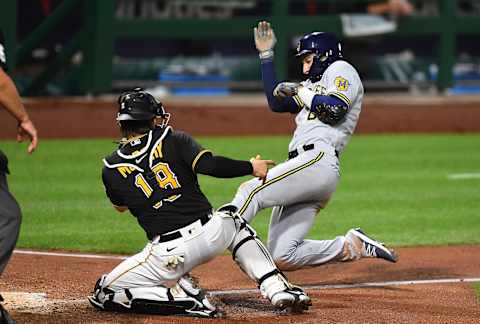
[266, 55]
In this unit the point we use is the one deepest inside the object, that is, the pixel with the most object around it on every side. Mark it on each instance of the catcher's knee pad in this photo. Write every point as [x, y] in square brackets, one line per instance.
[255, 260]
[249, 252]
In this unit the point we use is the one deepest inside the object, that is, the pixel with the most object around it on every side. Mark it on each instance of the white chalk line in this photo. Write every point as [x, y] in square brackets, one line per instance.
[39, 303]
[359, 285]
[249, 291]
[463, 176]
[72, 255]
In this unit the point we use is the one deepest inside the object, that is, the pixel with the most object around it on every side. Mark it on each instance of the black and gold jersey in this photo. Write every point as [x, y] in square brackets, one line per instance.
[154, 176]
[3, 58]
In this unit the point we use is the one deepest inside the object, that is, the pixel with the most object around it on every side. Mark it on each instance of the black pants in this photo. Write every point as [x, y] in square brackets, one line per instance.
[10, 217]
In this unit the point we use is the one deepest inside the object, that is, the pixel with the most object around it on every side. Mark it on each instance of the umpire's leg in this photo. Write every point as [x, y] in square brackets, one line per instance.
[10, 217]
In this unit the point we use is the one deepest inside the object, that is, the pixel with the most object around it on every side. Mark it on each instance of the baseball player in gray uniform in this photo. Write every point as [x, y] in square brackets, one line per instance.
[327, 107]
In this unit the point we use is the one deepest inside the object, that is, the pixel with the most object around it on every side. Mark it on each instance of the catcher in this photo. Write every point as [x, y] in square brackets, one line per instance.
[153, 174]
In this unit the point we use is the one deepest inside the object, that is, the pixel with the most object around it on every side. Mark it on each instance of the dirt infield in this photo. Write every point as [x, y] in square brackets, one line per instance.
[61, 285]
[249, 115]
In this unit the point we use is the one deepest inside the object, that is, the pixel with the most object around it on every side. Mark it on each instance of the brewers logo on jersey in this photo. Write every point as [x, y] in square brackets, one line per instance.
[341, 83]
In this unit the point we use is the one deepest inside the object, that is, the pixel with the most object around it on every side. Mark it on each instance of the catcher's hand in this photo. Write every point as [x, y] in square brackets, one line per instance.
[264, 37]
[286, 89]
[260, 167]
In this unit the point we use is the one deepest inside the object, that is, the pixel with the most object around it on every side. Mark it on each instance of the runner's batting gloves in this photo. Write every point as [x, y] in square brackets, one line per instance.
[264, 40]
[286, 89]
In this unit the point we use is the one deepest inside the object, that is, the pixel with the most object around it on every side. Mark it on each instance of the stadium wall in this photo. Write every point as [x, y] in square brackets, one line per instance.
[248, 115]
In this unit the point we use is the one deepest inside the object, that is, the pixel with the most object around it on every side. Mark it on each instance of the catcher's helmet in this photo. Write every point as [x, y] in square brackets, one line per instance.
[137, 104]
[326, 49]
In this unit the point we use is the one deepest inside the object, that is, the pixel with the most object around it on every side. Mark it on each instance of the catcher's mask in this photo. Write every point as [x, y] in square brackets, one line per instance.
[326, 49]
[136, 104]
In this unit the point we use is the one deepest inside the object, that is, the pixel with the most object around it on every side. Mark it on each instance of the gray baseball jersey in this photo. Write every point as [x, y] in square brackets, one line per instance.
[341, 80]
[299, 187]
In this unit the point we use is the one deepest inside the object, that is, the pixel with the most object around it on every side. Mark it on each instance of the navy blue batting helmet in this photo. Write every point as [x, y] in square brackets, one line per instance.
[326, 49]
[137, 104]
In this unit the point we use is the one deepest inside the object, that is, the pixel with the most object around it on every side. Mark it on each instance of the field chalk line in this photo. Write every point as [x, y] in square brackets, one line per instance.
[72, 255]
[248, 291]
[463, 176]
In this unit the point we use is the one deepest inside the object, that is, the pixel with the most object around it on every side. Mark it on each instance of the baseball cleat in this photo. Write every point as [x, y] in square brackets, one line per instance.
[203, 307]
[204, 312]
[293, 300]
[96, 303]
[369, 247]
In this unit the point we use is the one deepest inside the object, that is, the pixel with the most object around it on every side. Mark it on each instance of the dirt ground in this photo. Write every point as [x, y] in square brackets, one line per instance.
[58, 287]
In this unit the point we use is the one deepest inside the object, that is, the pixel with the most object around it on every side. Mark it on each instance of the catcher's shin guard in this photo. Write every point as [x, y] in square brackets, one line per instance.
[254, 259]
[185, 298]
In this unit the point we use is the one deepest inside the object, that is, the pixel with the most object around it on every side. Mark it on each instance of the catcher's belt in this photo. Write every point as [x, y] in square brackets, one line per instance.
[306, 147]
[173, 235]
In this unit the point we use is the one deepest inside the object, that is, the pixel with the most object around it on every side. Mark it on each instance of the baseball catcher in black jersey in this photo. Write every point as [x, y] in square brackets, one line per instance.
[153, 174]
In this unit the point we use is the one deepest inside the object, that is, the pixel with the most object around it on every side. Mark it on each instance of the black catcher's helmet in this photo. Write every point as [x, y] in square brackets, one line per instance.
[136, 104]
[326, 49]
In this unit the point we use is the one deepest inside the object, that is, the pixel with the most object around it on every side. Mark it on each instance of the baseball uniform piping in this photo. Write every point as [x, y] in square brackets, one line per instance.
[199, 155]
[116, 165]
[137, 265]
[280, 177]
[342, 97]
[298, 101]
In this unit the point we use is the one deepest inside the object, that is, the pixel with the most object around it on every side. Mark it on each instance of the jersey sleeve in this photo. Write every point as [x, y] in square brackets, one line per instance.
[3, 58]
[343, 82]
[115, 199]
[190, 150]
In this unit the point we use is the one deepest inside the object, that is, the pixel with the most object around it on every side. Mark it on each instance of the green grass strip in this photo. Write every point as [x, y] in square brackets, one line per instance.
[476, 288]
[396, 187]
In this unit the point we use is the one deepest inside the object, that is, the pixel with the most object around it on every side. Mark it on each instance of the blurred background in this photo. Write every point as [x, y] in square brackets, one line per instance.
[205, 47]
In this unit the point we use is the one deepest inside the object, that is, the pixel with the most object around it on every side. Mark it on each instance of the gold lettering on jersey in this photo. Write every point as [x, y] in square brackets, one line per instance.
[311, 116]
[341, 83]
[157, 152]
[125, 170]
[165, 177]
[141, 183]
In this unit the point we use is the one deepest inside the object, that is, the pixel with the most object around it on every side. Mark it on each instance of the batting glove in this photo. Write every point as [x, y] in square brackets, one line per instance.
[264, 39]
[286, 89]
